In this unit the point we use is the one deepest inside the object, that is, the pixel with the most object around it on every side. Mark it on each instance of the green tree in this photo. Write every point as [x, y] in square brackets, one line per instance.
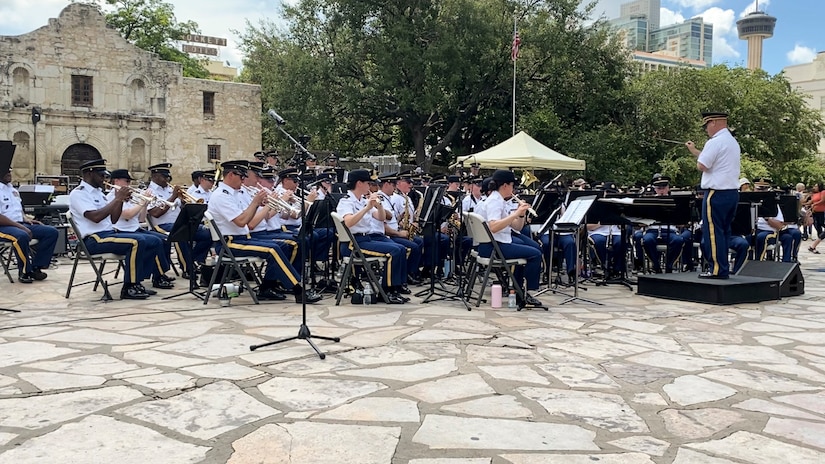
[151, 25]
[428, 75]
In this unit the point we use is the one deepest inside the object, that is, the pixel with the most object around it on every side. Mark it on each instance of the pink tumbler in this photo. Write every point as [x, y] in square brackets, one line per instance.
[496, 296]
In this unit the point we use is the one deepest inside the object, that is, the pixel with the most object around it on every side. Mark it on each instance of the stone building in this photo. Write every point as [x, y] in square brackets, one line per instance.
[96, 95]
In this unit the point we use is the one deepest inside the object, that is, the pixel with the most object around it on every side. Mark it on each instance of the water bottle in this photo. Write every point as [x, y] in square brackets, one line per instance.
[368, 294]
[511, 300]
[495, 301]
[339, 274]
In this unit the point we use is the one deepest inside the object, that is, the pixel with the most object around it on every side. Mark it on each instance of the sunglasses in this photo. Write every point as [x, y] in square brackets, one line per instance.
[240, 174]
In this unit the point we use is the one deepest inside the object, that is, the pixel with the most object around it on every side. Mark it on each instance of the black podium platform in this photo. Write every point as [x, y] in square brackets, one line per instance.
[687, 286]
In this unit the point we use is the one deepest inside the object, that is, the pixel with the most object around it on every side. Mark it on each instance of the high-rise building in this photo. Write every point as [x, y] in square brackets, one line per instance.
[649, 8]
[755, 27]
[688, 42]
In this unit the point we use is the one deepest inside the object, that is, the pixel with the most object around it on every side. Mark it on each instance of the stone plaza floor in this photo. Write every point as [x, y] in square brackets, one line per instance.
[633, 380]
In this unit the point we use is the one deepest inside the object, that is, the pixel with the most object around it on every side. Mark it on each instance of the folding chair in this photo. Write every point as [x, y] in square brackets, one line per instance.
[151, 225]
[7, 254]
[356, 258]
[227, 261]
[82, 253]
[495, 263]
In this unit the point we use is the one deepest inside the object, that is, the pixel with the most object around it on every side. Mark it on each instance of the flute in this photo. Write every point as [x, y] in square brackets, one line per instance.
[519, 200]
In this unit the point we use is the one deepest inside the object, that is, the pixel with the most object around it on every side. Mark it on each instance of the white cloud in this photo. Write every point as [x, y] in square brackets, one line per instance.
[696, 4]
[801, 54]
[21, 16]
[667, 17]
[724, 30]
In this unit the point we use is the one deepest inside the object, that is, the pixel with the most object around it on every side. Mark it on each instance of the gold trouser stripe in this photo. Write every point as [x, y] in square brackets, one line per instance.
[765, 246]
[133, 261]
[381, 255]
[14, 243]
[714, 248]
[294, 248]
[271, 252]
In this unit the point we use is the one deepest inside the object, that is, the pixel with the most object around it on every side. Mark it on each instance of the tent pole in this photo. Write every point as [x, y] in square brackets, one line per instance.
[515, 56]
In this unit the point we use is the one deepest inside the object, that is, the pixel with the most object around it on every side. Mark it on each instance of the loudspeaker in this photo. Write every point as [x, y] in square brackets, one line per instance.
[792, 283]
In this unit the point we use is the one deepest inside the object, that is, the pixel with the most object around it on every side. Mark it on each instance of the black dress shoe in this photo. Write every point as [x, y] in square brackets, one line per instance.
[530, 300]
[270, 295]
[402, 289]
[412, 280]
[39, 275]
[25, 278]
[145, 290]
[394, 298]
[133, 292]
[311, 296]
[162, 284]
[710, 275]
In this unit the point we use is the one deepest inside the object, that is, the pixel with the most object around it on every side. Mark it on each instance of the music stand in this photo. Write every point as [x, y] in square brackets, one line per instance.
[434, 213]
[304, 333]
[183, 231]
[572, 220]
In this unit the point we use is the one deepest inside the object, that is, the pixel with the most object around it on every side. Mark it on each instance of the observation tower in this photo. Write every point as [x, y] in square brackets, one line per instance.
[755, 27]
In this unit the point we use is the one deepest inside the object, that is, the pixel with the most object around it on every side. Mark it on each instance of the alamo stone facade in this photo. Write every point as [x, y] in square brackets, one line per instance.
[100, 96]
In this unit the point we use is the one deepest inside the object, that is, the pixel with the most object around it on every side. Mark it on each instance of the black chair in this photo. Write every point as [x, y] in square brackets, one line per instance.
[97, 261]
[228, 262]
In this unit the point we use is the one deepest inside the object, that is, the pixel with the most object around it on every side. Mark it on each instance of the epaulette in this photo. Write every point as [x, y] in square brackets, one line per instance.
[225, 191]
[80, 187]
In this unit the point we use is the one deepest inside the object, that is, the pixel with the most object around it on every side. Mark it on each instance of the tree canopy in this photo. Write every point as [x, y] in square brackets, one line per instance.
[152, 26]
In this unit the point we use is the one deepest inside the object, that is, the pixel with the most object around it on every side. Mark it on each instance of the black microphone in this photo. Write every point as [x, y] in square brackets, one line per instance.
[272, 114]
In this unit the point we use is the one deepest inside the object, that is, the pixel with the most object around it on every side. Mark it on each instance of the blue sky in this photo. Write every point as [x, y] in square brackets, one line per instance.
[795, 40]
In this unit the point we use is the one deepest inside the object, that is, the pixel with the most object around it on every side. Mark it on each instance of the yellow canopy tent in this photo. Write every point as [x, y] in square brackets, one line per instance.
[523, 151]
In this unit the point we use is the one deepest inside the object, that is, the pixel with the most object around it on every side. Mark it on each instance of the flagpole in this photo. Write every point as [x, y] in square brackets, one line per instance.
[514, 56]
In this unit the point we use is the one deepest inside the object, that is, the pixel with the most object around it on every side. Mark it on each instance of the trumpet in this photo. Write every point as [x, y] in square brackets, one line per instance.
[186, 197]
[139, 196]
[516, 199]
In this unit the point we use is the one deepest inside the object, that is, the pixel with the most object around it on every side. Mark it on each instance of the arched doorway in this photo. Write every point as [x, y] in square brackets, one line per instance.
[73, 157]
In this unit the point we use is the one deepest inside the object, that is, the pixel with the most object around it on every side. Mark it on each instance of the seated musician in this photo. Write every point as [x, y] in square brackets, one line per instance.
[613, 254]
[400, 232]
[363, 213]
[197, 175]
[234, 210]
[667, 233]
[129, 221]
[94, 217]
[266, 225]
[501, 221]
[18, 231]
[203, 189]
[768, 229]
[432, 262]
[165, 217]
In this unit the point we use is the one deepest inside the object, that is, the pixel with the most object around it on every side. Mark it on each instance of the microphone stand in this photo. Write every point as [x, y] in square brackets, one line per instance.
[303, 331]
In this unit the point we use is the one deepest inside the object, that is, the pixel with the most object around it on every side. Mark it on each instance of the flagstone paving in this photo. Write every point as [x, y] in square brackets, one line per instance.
[633, 380]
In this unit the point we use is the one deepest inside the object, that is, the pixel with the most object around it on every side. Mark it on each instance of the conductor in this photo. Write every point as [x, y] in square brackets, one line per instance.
[719, 163]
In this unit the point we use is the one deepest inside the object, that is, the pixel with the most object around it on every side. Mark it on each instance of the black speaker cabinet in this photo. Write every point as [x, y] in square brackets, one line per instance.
[792, 283]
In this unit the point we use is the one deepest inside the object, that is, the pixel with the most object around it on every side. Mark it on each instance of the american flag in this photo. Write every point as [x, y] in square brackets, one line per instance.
[514, 48]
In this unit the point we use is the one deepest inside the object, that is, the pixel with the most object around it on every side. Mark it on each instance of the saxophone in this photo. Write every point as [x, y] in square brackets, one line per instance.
[405, 222]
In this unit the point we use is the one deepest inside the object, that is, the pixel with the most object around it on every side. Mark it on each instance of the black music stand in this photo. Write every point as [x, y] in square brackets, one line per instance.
[605, 213]
[183, 231]
[434, 213]
[573, 220]
[307, 225]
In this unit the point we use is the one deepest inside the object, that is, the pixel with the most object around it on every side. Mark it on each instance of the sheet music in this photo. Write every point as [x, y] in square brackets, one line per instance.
[623, 201]
[575, 213]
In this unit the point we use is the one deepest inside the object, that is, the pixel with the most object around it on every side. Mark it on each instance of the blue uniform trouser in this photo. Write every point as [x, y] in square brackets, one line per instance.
[718, 211]
[525, 239]
[617, 253]
[140, 250]
[790, 239]
[162, 263]
[395, 271]
[512, 251]
[688, 254]
[322, 238]
[740, 246]
[566, 243]
[671, 238]
[19, 240]
[762, 239]
[429, 249]
[277, 266]
[413, 253]
[203, 242]
[286, 241]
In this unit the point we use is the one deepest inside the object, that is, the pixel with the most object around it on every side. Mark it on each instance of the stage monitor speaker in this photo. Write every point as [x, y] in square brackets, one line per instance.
[792, 283]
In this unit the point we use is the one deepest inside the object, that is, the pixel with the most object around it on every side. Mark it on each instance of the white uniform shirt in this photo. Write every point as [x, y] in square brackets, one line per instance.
[401, 202]
[11, 205]
[762, 223]
[469, 203]
[352, 205]
[287, 221]
[721, 156]
[606, 230]
[122, 224]
[201, 194]
[497, 208]
[84, 198]
[225, 205]
[481, 207]
[389, 207]
[170, 216]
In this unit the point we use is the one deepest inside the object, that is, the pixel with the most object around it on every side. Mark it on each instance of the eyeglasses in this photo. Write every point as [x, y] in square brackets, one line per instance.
[240, 174]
